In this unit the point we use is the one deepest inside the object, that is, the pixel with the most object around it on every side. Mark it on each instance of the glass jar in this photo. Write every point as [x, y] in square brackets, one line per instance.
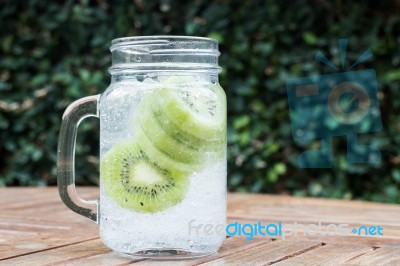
[162, 149]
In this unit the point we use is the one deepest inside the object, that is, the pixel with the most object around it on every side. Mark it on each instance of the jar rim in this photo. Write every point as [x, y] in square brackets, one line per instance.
[164, 53]
[155, 39]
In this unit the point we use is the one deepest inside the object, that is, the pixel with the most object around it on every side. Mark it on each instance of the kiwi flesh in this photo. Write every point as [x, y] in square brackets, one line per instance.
[196, 112]
[163, 158]
[138, 183]
[165, 142]
[152, 127]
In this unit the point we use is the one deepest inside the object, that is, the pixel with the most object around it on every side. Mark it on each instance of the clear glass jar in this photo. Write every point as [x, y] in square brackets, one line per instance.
[162, 149]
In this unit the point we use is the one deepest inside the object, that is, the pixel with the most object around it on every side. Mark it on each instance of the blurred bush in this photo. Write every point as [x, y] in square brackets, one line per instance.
[52, 53]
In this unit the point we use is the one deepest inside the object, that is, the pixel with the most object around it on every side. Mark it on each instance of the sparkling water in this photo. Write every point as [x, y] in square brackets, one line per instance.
[180, 227]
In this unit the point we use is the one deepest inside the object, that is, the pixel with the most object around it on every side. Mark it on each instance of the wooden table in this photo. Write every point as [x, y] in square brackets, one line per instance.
[37, 229]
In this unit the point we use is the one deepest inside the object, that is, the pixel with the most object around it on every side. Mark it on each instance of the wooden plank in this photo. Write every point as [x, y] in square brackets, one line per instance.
[286, 209]
[266, 253]
[285, 200]
[41, 203]
[379, 256]
[21, 236]
[104, 259]
[330, 254]
[87, 253]
[63, 254]
[31, 198]
[231, 246]
[316, 214]
[354, 240]
[29, 195]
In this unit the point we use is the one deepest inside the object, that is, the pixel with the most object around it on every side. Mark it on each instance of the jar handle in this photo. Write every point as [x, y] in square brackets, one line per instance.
[73, 115]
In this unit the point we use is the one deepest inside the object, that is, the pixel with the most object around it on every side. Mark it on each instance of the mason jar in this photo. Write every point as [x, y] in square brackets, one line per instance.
[162, 149]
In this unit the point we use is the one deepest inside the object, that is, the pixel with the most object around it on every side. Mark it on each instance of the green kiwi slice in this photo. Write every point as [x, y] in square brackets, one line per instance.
[194, 112]
[163, 158]
[169, 139]
[186, 138]
[136, 182]
[151, 127]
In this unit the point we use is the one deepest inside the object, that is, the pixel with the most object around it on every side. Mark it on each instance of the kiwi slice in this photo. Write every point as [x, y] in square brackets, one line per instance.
[152, 128]
[186, 138]
[168, 138]
[194, 112]
[136, 182]
[163, 158]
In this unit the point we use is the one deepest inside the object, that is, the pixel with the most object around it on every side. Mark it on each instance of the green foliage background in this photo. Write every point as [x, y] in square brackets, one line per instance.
[54, 52]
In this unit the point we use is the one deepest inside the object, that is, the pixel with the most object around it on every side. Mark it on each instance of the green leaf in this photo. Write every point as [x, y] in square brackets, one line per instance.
[392, 75]
[7, 43]
[241, 121]
[309, 38]
[280, 168]
[272, 176]
[216, 36]
[396, 175]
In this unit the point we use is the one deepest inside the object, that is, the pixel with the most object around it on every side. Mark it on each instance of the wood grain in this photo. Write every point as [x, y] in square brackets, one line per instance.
[328, 254]
[379, 256]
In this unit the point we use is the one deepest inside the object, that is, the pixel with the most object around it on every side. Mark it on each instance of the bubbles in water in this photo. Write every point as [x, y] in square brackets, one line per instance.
[140, 78]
